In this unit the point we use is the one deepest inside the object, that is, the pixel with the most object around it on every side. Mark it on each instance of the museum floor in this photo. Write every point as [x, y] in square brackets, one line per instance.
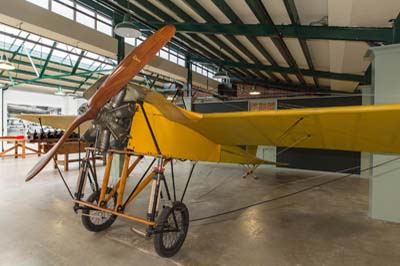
[324, 226]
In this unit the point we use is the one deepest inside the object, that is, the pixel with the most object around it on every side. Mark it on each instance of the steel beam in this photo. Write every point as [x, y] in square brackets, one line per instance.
[263, 16]
[372, 34]
[295, 19]
[307, 72]
[227, 10]
[75, 68]
[21, 62]
[47, 60]
[182, 14]
[201, 11]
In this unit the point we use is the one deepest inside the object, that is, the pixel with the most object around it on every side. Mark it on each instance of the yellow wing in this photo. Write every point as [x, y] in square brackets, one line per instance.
[55, 121]
[355, 128]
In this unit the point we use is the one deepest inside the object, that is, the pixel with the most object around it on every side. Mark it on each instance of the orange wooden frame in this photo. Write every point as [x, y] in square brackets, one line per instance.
[119, 186]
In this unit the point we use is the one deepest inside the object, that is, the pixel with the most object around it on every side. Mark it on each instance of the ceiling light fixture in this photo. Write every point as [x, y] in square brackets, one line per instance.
[5, 64]
[221, 74]
[127, 29]
[254, 91]
[59, 92]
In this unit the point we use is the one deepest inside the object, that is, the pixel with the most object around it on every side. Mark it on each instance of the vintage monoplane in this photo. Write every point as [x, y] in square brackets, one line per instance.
[150, 125]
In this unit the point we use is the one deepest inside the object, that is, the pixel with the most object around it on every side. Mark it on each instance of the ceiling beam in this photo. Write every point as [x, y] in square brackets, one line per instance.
[170, 19]
[263, 16]
[202, 12]
[47, 59]
[288, 70]
[295, 19]
[227, 10]
[367, 34]
[75, 68]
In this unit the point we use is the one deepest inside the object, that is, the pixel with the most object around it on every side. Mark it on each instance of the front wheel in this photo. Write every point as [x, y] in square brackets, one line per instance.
[171, 230]
[95, 220]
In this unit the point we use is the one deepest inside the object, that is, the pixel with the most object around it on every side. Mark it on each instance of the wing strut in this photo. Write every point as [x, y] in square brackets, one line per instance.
[287, 131]
[150, 128]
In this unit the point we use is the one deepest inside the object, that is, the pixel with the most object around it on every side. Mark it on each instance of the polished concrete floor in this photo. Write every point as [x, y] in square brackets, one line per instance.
[327, 225]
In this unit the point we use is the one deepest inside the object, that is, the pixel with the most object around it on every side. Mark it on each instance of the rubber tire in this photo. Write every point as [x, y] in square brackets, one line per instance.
[163, 218]
[87, 223]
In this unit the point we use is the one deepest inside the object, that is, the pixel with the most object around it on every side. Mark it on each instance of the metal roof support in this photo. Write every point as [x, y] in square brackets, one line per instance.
[25, 72]
[98, 68]
[46, 45]
[28, 54]
[21, 62]
[75, 68]
[363, 34]
[176, 43]
[47, 60]
[288, 70]
[295, 19]
[182, 14]
[225, 8]
[263, 16]
[201, 11]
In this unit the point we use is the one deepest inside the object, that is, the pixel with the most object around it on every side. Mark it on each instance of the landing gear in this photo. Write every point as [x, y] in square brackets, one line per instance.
[95, 220]
[167, 217]
[171, 229]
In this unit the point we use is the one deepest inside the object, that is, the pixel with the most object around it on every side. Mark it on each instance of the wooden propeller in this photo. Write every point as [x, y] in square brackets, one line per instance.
[124, 72]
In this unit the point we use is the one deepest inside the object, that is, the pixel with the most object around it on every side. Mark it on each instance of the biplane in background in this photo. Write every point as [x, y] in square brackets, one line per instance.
[142, 122]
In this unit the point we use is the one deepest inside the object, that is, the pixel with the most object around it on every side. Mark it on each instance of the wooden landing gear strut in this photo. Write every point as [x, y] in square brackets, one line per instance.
[167, 218]
[249, 170]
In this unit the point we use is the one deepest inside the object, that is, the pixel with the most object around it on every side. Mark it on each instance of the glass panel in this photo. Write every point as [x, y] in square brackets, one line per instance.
[104, 28]
[130, 41]
[63, 10]
[41, 3]
[83, 17]
[104, 25]
[164, 54]
[181, 62]
[173, 58]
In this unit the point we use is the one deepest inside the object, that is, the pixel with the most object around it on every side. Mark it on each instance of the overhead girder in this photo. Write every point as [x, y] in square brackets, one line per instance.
[263, 16]
[225, 8]
[181, 13]
[201, 11]
[365, 34]
[288, 70]
[295, 19]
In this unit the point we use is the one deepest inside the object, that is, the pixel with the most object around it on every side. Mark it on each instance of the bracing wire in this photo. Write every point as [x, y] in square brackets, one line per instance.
[293, 193]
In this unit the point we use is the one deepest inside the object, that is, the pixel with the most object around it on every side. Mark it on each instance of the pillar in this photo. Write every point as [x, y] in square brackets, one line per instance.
[384, 196]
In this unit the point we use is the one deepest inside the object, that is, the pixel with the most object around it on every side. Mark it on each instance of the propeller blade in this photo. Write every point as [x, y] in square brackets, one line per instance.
[115, 82]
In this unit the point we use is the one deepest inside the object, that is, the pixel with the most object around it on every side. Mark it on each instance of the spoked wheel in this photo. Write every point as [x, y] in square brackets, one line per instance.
[172, 227]
[95, 220]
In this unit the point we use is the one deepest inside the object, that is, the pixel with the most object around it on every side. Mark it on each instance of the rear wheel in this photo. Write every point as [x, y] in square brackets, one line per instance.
[171, 230]
[95, 220]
